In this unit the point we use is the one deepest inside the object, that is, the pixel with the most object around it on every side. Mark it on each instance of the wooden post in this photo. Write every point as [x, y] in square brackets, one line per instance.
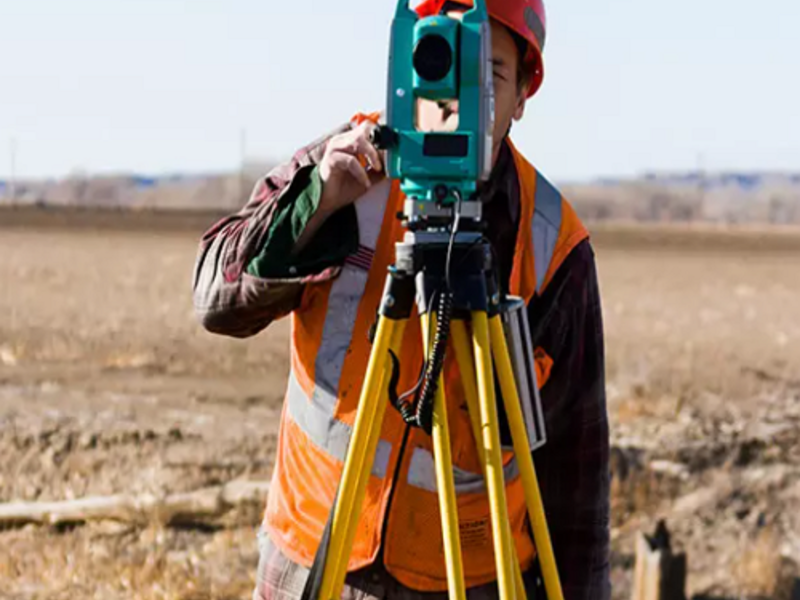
[796, 590]
[659, 574]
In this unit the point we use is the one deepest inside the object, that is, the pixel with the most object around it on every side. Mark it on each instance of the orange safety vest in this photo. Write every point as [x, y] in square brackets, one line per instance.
[330, 351]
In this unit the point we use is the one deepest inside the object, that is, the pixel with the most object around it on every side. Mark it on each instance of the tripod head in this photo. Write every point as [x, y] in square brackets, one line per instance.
[443, 60]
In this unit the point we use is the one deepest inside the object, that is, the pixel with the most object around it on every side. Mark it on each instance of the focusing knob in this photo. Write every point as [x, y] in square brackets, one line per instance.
[383, 137]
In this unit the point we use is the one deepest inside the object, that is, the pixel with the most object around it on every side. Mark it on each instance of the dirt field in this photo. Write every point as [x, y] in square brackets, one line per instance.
[108, 386]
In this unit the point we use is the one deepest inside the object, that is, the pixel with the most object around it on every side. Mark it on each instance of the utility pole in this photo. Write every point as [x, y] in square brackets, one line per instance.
[13, 173]
[702, 185]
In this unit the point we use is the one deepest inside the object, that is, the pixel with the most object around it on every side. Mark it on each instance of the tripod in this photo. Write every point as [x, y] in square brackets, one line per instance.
[449, 274]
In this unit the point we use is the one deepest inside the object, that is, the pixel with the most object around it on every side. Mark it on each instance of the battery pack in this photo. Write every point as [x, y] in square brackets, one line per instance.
[514, 315]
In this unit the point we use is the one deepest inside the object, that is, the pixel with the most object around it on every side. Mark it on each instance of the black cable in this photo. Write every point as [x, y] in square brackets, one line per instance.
[421, 379]
[406, 408]
[453, 233]
[425, 403]
[420, 412]
[435, 365]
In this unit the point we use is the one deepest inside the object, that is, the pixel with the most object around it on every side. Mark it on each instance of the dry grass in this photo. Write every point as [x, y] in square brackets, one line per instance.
[106, 562]
[106, 298]
[97, 335]
[758, 568]
[108, 385]
[686, 323]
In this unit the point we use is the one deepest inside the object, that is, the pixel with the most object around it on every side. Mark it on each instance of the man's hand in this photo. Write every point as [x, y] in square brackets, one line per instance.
[344, 174]
[343, 168]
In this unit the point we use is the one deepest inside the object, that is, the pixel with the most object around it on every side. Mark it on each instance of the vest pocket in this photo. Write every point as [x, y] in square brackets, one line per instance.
[422, 474]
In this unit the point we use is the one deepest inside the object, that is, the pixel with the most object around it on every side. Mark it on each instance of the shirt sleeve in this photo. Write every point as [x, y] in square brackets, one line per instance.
[330, 246]
[243, 277]
[572, 467]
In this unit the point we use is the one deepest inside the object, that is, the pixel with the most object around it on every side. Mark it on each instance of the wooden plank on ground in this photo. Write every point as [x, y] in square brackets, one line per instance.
[659, 574]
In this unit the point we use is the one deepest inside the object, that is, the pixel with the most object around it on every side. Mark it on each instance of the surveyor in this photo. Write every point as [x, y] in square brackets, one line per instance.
[314, 241]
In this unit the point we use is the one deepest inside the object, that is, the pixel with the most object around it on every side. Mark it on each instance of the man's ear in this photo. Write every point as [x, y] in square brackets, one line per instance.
[519, 110]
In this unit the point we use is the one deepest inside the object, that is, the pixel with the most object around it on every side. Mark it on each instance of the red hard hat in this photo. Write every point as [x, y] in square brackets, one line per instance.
[524, 17]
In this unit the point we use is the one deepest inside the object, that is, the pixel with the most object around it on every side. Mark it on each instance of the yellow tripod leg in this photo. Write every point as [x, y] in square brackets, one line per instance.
[533, 496]
[445, 483]
[466, 366]
[360, 455]
[495, 481]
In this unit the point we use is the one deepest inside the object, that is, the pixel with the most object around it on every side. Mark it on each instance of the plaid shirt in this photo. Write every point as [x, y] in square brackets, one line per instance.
[566, 323]
[278, 578]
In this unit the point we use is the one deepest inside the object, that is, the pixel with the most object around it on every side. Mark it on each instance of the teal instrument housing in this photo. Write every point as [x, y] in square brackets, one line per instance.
[440, 58]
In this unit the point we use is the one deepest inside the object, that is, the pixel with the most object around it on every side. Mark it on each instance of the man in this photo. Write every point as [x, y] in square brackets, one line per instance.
[314, 241]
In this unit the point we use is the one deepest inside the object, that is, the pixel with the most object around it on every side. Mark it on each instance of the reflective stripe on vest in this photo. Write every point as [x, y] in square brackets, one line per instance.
[422, 474]
[325, 431]
[546, 227]
[315, 415]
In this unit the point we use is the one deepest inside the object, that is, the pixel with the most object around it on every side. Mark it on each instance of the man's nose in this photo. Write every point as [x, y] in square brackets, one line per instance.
[448, 107]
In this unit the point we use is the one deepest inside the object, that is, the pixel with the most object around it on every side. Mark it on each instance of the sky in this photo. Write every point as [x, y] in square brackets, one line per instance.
[161, 86]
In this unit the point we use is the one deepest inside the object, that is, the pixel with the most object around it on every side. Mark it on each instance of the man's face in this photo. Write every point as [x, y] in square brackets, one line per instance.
[509, 95]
